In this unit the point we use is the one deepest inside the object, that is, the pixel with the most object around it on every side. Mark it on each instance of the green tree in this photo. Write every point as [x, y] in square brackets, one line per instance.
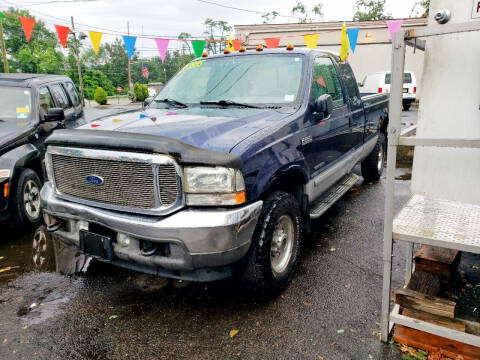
[367, 10]
[40, 55]
[421, 8]
[269, 17]
[140, 91]
[216, 30]
[301, 10]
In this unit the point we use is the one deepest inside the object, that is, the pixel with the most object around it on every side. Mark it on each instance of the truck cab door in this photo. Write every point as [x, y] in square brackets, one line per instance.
[329, 136]
[77, 116]
[355, 105]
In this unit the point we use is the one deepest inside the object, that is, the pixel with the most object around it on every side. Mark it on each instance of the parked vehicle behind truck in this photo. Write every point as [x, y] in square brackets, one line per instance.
[380, 83]
[222, 173]
[31, 107]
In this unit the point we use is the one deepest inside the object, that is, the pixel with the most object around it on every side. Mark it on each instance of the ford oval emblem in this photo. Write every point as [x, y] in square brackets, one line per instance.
[94, 179]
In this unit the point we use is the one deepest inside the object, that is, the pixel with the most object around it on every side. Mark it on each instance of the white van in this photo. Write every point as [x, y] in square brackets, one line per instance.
[379, 83]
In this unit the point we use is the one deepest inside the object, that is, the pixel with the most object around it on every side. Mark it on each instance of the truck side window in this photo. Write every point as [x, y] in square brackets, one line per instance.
[350, 82]
[325, 81]
[46, 101]
[60, 96]
[72, 92]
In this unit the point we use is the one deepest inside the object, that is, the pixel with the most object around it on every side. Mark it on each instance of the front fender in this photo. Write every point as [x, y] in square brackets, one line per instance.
[17, 158]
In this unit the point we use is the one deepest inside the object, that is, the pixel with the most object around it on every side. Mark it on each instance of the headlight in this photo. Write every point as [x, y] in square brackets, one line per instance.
[206, 186]
[48, 167]
[4, 174]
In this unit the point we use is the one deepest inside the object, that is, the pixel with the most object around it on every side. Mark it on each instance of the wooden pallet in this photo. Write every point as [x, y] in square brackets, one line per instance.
[434, 344]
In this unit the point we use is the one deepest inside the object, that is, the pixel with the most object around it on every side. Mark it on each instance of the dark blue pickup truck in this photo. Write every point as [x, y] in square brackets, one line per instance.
[222, 173]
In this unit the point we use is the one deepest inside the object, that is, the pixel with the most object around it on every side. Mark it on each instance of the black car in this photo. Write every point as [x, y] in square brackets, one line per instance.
[31, 107]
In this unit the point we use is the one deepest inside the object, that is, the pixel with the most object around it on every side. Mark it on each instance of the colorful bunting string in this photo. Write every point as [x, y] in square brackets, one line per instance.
[237, 44]
[353, 37]
[27, 25]
[1, 16]
[272, 43]
[95, 38]
[162, 45]
[129, 42]
[311, 40]
[62, 32]
[230, 44]
[198, 46]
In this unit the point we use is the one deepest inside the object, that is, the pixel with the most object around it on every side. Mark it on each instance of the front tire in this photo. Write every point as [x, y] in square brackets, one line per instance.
[372, 166]
[276, 246]
[27, 212]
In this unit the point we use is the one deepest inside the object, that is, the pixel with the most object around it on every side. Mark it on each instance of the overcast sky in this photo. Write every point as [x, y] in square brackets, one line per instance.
[169, 18]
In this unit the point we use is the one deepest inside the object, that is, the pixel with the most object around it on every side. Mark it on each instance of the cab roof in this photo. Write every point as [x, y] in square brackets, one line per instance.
[299, 50]
[28, 80]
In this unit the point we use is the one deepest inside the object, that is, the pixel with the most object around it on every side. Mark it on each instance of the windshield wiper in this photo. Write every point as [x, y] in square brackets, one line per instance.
[172, 102]
[227, 103]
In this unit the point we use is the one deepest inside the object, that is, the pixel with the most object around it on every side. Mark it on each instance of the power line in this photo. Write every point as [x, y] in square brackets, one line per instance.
[248, 10]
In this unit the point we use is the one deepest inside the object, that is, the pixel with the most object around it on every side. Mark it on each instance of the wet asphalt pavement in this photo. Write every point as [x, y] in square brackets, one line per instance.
[330, 310]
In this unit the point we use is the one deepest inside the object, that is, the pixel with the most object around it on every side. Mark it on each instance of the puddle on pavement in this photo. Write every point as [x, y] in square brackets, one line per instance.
[403, 174]
[15, 253]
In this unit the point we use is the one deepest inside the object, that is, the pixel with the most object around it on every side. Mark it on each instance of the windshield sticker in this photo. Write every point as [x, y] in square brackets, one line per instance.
[289, 98]
[22, 112]
[193, 65]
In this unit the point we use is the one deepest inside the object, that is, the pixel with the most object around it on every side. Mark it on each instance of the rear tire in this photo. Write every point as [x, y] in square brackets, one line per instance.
[372, 166]
[406, 107]
[26, 205]
[276, 244]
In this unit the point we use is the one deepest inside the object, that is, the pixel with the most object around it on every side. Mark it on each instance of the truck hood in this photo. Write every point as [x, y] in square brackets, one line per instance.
[217, 129]
[12, 131]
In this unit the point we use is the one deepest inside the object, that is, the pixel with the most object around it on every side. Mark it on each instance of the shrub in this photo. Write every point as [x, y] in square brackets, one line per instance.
[100, 96]
[140, 91]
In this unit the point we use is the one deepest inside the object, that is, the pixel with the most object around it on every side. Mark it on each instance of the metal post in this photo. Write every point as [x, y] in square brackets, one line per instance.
[394, 126]
[129, 73]
[4, 49]
[77, 57]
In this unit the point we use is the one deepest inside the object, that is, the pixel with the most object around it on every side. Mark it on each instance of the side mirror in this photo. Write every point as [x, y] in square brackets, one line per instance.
[54, 114]
[323, 106]
[147, 102]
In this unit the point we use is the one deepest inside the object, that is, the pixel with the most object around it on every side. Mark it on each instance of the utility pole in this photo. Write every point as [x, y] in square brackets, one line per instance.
[4, 49]
[129, 74]
[77, 57]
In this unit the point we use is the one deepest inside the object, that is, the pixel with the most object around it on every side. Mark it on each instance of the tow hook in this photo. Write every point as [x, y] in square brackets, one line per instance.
[54, 227]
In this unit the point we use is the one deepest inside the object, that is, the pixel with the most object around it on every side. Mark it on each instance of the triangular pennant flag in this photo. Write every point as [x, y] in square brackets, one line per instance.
[162, 45]
[1, 16]
[62, 32]
[27, 25]
[129, 42]
[394, 26]
[353, 37]
[272, 43]
[198, 46]
[237, 44]
[311, 40]
[345, 44]
[95, 38]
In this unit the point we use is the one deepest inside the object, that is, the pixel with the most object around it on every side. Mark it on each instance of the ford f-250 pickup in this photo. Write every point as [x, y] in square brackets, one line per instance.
[222, 173]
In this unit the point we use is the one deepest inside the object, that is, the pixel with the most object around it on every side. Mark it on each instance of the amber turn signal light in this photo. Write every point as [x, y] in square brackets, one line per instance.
[5, 189]
[240, 197]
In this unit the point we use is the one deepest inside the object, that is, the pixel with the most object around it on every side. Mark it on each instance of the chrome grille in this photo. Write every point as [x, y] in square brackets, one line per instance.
[132, 182]
[126, 184]
[168, 184]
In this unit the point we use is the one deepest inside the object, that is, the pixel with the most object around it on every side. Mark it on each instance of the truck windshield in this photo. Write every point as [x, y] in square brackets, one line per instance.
[15, 103]
[247, 79]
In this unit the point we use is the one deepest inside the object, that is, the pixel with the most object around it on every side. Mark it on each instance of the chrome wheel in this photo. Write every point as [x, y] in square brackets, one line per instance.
[31, 199]
[282, 244]
[39, 249]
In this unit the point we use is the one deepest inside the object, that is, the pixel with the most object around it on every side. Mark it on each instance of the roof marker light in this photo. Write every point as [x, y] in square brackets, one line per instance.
[226, 51]
[204, 54]
[290, 47]
[242, 49]
[259, 48]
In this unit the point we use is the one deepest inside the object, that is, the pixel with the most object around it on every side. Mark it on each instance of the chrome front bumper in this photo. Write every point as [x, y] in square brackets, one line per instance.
[198, 238]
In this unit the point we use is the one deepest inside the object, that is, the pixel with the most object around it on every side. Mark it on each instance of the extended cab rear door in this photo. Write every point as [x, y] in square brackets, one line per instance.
[356, 111]
[62, 101]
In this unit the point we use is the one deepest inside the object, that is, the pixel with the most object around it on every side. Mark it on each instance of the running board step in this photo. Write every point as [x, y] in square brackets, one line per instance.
[332, 195]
